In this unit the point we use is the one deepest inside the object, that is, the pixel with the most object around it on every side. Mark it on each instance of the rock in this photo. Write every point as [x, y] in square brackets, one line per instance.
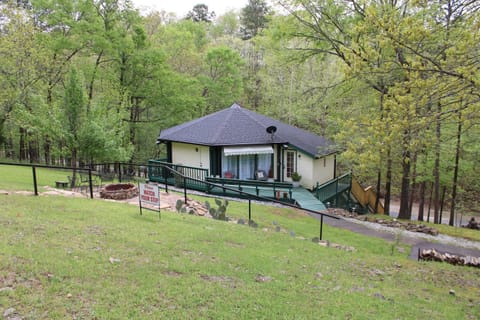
[113, 260]
[262, 278]
[451, 292]
[8, 312]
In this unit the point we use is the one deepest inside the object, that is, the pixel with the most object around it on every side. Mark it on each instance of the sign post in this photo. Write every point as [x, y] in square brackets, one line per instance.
[150, 195]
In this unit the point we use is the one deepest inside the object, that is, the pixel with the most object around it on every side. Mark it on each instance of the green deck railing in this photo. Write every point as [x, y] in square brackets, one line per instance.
[158, 172]
[333, 189]
[269, 189]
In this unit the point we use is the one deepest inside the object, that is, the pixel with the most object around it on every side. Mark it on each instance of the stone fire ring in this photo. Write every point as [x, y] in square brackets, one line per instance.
[119, 191]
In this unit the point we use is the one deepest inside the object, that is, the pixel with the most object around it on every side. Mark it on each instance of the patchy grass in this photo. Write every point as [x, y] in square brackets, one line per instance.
[90, 259]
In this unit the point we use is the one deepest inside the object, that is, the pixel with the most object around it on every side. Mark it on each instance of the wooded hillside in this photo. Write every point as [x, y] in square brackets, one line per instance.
[394, 83]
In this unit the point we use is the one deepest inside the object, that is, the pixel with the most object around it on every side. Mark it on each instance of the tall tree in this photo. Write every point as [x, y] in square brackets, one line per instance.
[200, 13]
[253, 18]
[223, 82]
[74, 113]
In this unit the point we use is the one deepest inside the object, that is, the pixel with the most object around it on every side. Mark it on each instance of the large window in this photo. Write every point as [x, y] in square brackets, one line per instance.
[244, 166]
[290, 163]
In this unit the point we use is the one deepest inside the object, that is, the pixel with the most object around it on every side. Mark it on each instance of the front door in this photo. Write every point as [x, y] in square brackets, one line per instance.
[290, 163]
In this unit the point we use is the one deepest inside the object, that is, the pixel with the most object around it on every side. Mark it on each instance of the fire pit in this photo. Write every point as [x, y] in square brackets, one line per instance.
[119, 191]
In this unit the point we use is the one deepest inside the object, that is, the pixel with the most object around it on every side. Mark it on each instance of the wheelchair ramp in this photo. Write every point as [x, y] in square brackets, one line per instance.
[307, 200]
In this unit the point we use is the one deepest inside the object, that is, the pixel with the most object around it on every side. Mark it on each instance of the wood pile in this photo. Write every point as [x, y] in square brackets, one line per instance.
[434, 255]
[472, 224]
[406, 225]
[388, 223]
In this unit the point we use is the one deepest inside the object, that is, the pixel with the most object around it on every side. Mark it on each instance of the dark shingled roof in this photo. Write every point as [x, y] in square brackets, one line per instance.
[238, 126]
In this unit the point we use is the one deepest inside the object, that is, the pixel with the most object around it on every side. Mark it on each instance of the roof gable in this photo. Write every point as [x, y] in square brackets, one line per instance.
[239, 126]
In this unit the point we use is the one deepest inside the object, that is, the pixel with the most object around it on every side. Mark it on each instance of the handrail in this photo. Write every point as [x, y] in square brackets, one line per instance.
[256, 184]
[245, 193]
[366, 196]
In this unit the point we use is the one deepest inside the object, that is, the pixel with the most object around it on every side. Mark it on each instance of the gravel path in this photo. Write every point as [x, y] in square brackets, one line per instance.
[443, 243]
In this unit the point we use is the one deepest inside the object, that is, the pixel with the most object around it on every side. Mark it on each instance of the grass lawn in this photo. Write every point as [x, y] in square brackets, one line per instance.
[65, 258]
[21, 178]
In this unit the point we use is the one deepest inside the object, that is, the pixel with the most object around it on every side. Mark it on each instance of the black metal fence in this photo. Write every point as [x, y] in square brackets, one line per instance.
[91, 176]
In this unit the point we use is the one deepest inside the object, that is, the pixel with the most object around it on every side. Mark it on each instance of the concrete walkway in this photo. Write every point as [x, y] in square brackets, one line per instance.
[442, 243]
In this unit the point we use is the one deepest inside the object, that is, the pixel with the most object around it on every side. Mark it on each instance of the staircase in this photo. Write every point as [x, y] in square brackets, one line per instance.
[366, 197]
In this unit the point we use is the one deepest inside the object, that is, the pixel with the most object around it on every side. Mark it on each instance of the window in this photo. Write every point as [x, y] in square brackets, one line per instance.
[290, 163]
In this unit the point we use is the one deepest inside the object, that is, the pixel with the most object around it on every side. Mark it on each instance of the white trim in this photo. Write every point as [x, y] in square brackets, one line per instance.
[245, 150]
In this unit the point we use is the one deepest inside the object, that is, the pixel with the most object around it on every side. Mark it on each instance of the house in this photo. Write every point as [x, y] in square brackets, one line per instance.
[236, 143]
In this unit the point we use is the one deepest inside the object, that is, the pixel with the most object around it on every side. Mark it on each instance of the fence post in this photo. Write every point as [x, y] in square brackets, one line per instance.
[321, 226]
[120, 172]
[90, 184]
[35, 188]
[249, 209]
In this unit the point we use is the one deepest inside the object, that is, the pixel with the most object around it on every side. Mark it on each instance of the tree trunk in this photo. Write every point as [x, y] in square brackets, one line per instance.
[404, 193]
[414, 181]
[73, 163]
[22, 145]
[388, 182]
[421, 202]
[46, 149]
[451, 221]
[92, 81]
[379, 183]
[436, 169]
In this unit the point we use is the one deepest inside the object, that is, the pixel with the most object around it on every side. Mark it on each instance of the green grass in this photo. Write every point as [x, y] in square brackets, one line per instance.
[21, 178]
[92, 259]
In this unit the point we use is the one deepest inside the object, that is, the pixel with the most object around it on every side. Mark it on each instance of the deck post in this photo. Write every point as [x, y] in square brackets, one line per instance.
[249, 209]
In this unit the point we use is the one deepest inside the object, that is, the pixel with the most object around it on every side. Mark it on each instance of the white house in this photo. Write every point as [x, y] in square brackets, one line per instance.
[236, 143]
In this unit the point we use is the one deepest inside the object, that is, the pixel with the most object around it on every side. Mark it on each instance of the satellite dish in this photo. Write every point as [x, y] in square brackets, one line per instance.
[272, 129]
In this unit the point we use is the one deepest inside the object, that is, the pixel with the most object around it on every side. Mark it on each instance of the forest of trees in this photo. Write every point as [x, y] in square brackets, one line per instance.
[395, 83]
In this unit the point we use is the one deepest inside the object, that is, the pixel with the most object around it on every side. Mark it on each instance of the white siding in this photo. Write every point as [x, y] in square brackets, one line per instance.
[191, 155]
[323, 169]
[314, 170]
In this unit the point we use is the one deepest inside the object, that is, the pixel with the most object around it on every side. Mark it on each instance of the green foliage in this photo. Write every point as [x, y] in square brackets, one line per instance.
[253, 18]
[296, 177]
[223, 81]
[200, 13]
[218, 213]
[179, 205]
[379, 78]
